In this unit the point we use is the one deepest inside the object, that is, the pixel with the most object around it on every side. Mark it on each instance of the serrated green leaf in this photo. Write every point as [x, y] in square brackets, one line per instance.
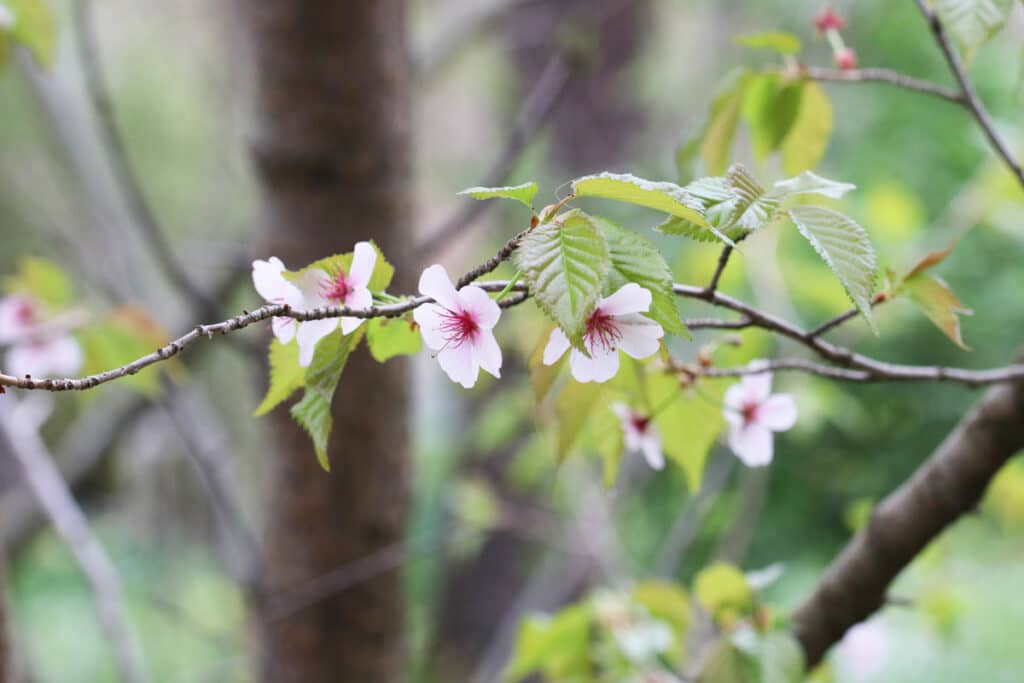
[779, 41]
[313, 413]
[35, 28]
[937, 301]
[811, 183]
[846, 249]
[521, 193]
[391, 337]
[808, 137]
[770, 108]
[565, 262]
[623, 187]
[724, 118]
[573, 408]
[44, 280]
[556, 646]
[286, 376]
[972, 22]
[635, 259]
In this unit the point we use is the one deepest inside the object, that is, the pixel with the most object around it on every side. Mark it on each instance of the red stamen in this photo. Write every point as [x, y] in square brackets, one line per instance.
[639, 422]
[750, 412]
[602, 332]
[25, 313]
[336, 288]
[458, 326]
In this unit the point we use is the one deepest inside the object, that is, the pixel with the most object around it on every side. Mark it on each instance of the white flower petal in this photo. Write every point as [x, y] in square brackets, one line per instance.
[558, 344]
[735, 399]
[430, 318]
[310, 285]
[364, 259]
[17, 314]
[484, 309]
[310, 332]
[757, 388]
[602, 365]
[640, 336]
[283, 329]
[435, 283]
[630, 298]
[486, 352]
[7, 19]
[270, 283]
[650, 446]
[358, 299]
[59, 357]
[459, 364]
[778, 413]
[622, 411]
[752, 445]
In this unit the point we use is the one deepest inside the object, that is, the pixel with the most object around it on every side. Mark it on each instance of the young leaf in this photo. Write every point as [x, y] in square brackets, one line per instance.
[972, 22]
[286, 376]
[521, 193]
[390, 337]
[722, 590]
[807, 140]
[770, 109]
[573, 408]
[689, 422]
[779, 41]
[661, 196]
[556, 646]
[781, 658]
[720, 131]
[313, 413]
[846, 249]
[542, 377]
[938, 302]
[564, 262]
[636, 259]
[35, 28]
[811, 183]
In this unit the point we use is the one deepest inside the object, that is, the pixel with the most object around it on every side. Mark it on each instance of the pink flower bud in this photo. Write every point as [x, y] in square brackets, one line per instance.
[846, 59]
[827, 19]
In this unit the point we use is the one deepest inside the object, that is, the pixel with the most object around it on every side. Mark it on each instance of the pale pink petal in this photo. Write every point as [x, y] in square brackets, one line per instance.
[435, 283]
[271, 284]
[558, 344]
[284, 329]
[732, 416]
[640, 335]
[357, 299]
[65, 355]
[12, 325]
[650, 446]
[29, 359]
[310, 332]
[487, 353]
[364, 259]
[630, 298]
[622, 411]
[752, 445]
[430, 318]
[735, 399]
[632, 439]
[600, 367]
[484, 309]
[459, 364]
[310, 285]
[778, 413]
[757, 388]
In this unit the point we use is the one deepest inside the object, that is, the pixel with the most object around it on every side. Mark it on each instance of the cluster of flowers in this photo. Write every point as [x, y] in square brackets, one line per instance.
[458, 326]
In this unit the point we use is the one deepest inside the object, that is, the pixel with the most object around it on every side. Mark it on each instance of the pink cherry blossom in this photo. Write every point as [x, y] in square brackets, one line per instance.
[640, 434]
[614, 324]
[753, 414]
[37, 347]
[336, 288]
[459, 327]
[268, 277]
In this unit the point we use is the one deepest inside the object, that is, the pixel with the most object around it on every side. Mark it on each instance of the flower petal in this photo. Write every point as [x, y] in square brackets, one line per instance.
[284, 329]
[310, 332]
[778, 413]
[752, 445]
[61, 356]
[630, 298]
[640, 335]
[435, 283]
[364, 260]
[600, 367]
[358, 299]
[757, 388]
[622, 411]
[558, 344]
[270, 283]
[459, 364]
[487, 353]
[650, 446]
[429, 318]
[310, 285]
[483, 308]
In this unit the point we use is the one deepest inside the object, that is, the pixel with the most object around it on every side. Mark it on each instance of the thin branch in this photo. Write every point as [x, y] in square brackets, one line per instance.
[723, 261]
[885, 76]
[52, 492]
[784, 365]
[716, 324]
[834, 322]
[970, 96]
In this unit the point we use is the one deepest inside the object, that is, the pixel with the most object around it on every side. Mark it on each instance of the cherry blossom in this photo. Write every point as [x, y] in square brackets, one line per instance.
[335, 288]
[614, 324]
[7, 19]
[459, 327]
[37, 347]
[753, 413]
[640, 434]
[268, 277]
[827, 19]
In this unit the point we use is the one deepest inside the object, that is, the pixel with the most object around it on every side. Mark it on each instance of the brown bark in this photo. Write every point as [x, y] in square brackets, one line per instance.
[332, 82]
[945, 487]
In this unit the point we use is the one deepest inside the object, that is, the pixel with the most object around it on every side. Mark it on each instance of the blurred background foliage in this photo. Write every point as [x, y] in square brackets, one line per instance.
[495, 517]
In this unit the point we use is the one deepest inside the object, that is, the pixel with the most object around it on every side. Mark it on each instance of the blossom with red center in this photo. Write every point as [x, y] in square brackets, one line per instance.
[845, 58]
[640, 434]
[828, 19]
[36, 345]
[459, 327]
[614, 324]
[268, 277]
[754, 413]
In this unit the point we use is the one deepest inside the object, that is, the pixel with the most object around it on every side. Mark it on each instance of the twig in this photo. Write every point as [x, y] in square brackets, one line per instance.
[716, 324]
[723, 261]
[834, 322]
[53, 495]
[884, 76]
[784, 365]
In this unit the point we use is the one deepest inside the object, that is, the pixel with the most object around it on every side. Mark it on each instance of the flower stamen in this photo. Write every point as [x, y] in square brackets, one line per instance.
[602, 332]
[457, 327]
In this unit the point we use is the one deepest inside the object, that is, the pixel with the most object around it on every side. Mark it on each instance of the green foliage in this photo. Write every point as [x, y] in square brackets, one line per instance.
[933, 296]
[808, 136]
[770, 108]
[391, 337]
[521, 193]
[689, 424]
[383, 271]
[555, 646]
[44, 280]
[286, 376]
[778, 41]
[573, 407]
[845, 248]
[971, 23]
[542, 377]
[565, 262]
[123, 336]
[723, 591]
[34, 27]
[716, 138]
[662, 196]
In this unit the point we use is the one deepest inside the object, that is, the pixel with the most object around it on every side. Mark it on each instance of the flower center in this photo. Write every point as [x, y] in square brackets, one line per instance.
[602, 332]
[458, 326]
[25, 313]
[749, 412]
[337, 288]
[639, 422]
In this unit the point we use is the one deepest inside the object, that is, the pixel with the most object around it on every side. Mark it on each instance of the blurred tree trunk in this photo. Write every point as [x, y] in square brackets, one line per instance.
[332, 150]
[6, 654]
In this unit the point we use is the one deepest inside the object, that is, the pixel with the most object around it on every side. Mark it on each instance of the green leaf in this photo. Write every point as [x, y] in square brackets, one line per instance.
[286, 376]
[556, 646]
[661, 196]
[724, 663]
[811, 183]
[807, 140]
[724, 118]
[542, 377]
[35, 28]
[573, 408]
[689, 421]
[779, 41]
[781, 658]
[972, 22]
[383, 271]
[846, 249]
[722, 590]
[390, 337]
[313, 413]
[123, 336]
[770, 109]
[635, 259]
[521, 193]
[44, 280]
[667, 602]
[938, 302]
[564, 262]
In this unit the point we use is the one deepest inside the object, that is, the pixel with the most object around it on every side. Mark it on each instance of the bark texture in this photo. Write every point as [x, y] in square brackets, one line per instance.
[946, 486]
[331, 150]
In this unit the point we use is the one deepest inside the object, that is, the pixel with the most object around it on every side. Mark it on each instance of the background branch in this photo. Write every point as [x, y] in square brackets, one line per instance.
[884, 76]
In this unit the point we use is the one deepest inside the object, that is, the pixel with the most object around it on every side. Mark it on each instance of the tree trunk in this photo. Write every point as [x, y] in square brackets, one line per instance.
[332, 153]
[6, 653]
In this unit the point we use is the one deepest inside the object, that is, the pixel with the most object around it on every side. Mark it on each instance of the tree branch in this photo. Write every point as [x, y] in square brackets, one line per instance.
[885, 76]
[948, 485]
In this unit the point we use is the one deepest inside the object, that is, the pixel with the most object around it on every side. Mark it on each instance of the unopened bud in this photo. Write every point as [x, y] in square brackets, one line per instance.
[827, 19]
[704, 358]
[846, 59]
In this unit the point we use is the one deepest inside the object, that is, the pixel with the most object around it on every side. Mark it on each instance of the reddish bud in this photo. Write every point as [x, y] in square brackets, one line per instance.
[846, 59]
[827, 19]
